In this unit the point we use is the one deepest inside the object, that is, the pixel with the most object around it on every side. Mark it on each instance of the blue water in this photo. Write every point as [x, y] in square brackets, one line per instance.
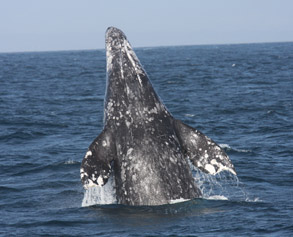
[51, 108]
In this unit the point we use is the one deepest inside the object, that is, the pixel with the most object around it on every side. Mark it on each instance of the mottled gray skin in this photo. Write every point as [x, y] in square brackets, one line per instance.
[145, 147]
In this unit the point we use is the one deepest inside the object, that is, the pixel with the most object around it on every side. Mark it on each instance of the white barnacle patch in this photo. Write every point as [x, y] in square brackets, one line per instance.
[172, 160]
[127, 123]
[82, 173]
[199, 164]
[153, 111]
[110, 104]
[93, 177]
[104, 143]
[209, 168]
[151, 119]
[129, 151]
[109, 58]
[134, 177]
[100, 181]
[214, 162]
[221, 157]
[206, 155]
[193, 141]
[89, 153]
[195, 135]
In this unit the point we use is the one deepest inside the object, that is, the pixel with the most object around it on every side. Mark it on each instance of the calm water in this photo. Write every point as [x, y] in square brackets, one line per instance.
[51, 108]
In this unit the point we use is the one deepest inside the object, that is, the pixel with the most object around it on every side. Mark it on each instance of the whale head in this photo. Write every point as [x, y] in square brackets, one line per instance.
[127, 82]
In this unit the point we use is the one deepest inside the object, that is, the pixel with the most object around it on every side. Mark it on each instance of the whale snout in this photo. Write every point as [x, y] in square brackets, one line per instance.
[114, 31]
[114, 38]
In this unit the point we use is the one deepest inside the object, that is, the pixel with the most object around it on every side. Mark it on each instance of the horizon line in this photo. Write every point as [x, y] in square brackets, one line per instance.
[140, 47]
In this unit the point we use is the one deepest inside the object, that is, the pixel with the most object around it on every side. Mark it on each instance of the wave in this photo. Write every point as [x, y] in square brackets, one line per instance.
[5, 189]
[227, 147]
[217, 197]
[33, 168]
[71, 162]
[21, 136]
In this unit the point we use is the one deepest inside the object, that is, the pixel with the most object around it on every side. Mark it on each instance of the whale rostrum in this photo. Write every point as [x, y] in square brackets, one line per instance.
[146, 149]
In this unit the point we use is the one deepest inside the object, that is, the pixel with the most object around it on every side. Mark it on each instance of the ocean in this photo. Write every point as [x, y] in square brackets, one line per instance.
[51, 109]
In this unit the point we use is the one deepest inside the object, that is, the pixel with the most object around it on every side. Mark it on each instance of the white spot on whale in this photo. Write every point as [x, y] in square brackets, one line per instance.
[100, 181]
[129, 151]
[127, 123]
[93, 177]
[210, 169]
[214, 162]
[89, 153]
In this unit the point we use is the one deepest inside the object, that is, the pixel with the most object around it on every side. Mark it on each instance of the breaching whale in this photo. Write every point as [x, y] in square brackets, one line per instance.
[146, 149]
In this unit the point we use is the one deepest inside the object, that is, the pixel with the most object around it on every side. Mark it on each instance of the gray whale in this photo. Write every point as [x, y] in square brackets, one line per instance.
[142, 144]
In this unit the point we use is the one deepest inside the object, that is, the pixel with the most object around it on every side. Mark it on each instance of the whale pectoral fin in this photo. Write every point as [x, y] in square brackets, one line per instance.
[96, 164]
[202, 151]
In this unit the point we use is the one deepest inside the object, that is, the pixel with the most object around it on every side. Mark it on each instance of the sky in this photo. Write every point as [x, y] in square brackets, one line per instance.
[50, 25]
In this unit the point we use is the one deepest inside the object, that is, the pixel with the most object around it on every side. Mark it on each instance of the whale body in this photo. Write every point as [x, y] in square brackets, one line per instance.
[146, 149]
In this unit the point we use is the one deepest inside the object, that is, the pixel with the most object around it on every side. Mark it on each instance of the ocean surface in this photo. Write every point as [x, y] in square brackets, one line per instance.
[51, 109]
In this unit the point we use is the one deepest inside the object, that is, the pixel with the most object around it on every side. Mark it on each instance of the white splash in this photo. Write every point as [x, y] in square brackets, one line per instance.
[222, 186]
[100, 195]
[70, 162]
[217, 197]
[228, 147]
[178, 200]
[225, 146]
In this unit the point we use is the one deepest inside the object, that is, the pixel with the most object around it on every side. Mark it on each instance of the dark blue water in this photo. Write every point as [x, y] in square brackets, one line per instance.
[51, 108]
